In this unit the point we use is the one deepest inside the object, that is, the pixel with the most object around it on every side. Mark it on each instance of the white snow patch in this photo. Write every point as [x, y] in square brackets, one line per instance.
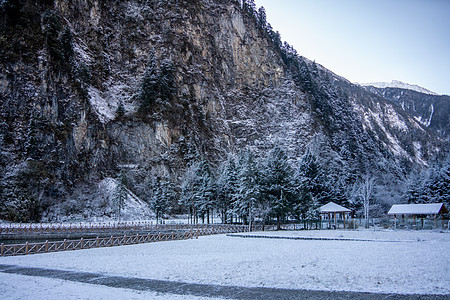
[418, 153]
[82, 51]
[393, 143]
[427, 121]
[399, 84]
[134, 208]
[103, 108]
[105, 103]
[394, 119]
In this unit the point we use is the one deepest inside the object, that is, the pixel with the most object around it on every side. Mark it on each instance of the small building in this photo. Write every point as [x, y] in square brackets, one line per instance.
[335, 211]
[418, 211]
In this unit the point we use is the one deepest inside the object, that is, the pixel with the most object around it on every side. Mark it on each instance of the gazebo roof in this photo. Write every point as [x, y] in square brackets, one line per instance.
[332, 207]
[417, 209]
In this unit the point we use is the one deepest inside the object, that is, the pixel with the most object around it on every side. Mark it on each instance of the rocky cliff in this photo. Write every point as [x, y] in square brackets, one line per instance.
[431, 110]
[90, 87]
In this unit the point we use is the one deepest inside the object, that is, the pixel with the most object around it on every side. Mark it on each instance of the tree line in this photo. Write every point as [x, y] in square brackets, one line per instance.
[247, 187]
[251, 187]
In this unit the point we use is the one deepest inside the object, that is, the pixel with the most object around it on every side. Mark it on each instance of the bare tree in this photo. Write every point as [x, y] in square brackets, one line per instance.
[365, 193]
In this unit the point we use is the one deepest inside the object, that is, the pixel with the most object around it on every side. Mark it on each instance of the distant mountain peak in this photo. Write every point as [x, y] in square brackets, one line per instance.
[401, 85]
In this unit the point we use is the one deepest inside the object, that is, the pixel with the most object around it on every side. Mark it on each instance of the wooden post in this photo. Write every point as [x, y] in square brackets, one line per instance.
[65, 244]
[395, 222]
[96, 242]
[81, 243]
[172, 235]
[46, 246]
[320, 221]
[415, 224]
[343, 214]
[26, 248]
[3, 249]
[335, 221]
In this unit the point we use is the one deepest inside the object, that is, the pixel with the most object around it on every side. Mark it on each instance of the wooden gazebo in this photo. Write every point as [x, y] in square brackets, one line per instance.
[418, 210]
[335, 210]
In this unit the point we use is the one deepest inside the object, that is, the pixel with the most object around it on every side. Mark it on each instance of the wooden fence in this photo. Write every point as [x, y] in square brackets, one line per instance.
[107, 227]
[45, 247]
[65, 245]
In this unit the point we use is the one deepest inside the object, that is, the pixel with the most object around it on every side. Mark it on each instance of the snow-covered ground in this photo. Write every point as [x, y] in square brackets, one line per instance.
[13, 287]
[403, 262]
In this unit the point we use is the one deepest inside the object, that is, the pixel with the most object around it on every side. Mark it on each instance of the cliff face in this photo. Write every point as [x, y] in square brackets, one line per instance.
[71, 95]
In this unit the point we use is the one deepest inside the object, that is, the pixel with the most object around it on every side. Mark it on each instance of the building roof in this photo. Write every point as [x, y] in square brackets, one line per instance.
[333, 207]
[417, 209]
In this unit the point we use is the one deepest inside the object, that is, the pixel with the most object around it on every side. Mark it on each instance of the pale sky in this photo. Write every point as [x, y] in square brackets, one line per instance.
[370, 40]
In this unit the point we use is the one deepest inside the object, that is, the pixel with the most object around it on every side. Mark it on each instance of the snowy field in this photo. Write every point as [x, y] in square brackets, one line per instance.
[405, 262]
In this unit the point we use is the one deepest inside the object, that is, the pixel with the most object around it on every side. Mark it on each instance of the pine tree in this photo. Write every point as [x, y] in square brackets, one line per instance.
[227, 187]
[262, 18]
[198, 190]
[166, 80]
[278, 188]
[163, 196]
[248, 193]
[149, 89]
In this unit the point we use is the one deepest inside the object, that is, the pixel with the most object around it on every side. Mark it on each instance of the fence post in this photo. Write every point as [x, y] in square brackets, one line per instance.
[3, 247]
[26, 248]
[46, 246]
[81, 243]
[65, 244]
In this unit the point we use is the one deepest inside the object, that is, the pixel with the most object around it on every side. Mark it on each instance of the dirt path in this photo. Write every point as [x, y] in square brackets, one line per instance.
[202, 290]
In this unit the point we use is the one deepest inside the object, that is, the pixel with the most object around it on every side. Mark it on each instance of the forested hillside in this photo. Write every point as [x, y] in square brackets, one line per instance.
[191, 107]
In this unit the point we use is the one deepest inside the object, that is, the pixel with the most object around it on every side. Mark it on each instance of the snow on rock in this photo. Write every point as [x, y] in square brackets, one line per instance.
[418, 152]
[103, 108]
[394, 119]
[394, 144]
[105, 103]
[134, 208]
[426, 121]
[400, 85]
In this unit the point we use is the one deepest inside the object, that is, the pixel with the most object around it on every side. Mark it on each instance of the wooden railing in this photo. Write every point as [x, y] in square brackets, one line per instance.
[190, 231]
[107, 227]
[65, 245]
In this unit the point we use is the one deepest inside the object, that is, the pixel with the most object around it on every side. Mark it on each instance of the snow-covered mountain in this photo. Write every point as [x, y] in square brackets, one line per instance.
[88, 88]
[432, 111]
[400, 85]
